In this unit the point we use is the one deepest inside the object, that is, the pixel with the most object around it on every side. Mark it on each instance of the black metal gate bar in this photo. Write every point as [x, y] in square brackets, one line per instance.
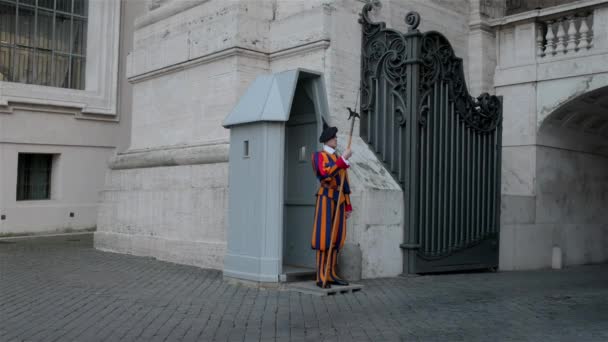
[440, 144]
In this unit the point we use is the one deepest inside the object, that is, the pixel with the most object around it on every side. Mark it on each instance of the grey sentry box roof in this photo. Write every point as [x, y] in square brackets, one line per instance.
[268, 98]
[273, 131]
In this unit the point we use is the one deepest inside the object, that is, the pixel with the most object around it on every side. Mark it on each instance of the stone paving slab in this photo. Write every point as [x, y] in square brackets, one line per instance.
[61, 289]
[310, 287]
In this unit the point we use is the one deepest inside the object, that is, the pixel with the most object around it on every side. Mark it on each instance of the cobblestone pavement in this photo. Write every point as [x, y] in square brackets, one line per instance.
[61, 289]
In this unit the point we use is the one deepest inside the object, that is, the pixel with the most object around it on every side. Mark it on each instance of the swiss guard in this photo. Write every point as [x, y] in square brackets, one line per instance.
[331, 170]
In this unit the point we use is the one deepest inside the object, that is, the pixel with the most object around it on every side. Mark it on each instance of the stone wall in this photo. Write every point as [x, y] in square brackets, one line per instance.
[568, 210]
[166, 196]
[376, 228]
[80, 128]
[572, 194]
[554, 163]
[76, 177]
[191, 62]
[174, 213]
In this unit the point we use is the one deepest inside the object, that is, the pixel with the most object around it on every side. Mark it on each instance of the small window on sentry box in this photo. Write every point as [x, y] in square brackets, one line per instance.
[34, 176]
[246, 149]
[302, 155]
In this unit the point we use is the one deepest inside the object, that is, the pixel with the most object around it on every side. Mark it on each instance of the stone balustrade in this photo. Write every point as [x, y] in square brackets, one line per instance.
[567, 34]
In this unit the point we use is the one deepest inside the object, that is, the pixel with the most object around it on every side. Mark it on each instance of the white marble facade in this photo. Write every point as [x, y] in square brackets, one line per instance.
[552, 72]
[80, 128]
[190, 63]
[166, 196]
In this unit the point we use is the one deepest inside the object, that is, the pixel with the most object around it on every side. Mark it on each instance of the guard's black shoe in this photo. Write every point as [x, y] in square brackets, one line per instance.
[320, 284]
[340, 282]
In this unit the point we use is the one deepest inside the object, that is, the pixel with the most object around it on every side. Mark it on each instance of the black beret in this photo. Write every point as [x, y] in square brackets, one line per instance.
[328, 134]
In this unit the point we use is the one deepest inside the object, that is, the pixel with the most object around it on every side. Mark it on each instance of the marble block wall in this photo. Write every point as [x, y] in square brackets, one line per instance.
[165, 196]
[173, 213]
[553, 174]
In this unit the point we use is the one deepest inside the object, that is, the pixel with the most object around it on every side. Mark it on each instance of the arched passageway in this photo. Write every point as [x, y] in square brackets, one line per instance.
[572, 177]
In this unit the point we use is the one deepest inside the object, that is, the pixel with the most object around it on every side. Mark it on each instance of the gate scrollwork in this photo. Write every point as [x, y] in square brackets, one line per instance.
[440, 64]
[441, 144]
[384, 61]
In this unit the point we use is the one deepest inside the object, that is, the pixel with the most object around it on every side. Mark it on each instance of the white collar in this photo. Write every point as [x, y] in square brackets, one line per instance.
[328, 149]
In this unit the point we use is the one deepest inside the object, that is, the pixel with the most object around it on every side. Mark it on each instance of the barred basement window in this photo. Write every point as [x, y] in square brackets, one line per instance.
[43, 42]
[34, 176]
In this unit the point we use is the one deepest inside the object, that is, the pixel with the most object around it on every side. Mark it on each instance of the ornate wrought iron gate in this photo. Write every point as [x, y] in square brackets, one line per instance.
[442, 145]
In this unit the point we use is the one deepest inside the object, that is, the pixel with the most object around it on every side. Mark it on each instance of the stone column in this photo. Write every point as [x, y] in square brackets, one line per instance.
[482, 45]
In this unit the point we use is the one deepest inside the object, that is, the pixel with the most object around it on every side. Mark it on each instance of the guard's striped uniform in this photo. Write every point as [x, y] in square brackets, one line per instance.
[329, 169]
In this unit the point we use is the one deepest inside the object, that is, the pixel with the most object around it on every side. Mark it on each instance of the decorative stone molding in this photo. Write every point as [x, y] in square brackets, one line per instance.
[300, 49]
[231, 52]
[100, 94]
[171, 156]
[566, 34]
[9, 109]
[551, 43]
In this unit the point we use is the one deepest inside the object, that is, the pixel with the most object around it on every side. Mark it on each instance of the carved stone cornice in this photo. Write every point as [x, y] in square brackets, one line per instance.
[171, 156]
